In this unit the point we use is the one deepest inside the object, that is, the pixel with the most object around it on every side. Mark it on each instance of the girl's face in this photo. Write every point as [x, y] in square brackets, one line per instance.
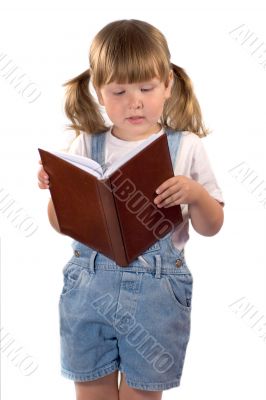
[134, 108]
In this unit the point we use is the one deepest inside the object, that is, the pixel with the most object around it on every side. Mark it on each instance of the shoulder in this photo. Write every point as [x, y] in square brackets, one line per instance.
[190, 146]
[191, 154]
[191, 140]
[80, 145]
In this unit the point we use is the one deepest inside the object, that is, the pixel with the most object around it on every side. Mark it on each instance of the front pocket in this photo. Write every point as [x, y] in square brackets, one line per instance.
[72, 276]
[180, 288]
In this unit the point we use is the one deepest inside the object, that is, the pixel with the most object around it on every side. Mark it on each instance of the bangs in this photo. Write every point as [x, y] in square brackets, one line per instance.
[127, 56]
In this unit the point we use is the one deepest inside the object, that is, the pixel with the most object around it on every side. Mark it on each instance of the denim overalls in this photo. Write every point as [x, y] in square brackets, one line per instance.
[135, 319]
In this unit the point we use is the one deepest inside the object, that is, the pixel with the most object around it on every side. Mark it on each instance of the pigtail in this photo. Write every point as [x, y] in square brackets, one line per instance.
[182, 110]
[80, 106]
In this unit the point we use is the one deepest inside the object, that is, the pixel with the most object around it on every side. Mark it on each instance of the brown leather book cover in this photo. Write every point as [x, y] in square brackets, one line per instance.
[116, 215]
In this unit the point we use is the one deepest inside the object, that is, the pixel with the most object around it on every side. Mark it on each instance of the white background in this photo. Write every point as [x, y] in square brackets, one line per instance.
[225, 356]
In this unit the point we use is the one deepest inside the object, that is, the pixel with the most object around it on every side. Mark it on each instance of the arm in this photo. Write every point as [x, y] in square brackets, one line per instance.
[43, 183]
[206, 214]
[52, 216]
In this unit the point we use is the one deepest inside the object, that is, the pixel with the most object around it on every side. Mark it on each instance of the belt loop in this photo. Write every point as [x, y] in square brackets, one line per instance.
[92, 261]
[158, 266]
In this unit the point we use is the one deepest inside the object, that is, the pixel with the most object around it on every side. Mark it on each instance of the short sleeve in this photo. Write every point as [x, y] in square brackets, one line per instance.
[80, 145]
[193, 162]
[201, 171]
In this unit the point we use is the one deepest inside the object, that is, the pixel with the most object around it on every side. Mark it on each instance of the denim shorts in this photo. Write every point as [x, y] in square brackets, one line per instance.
[134, 319]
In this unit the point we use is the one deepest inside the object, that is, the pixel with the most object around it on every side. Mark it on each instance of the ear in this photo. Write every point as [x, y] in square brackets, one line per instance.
[169, 85]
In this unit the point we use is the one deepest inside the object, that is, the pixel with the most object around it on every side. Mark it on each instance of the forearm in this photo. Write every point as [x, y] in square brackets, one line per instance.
[206, 214]
[52, 216]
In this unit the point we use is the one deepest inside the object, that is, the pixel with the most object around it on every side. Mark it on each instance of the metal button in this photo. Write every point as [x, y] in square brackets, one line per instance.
[178, 263]
[77, 253]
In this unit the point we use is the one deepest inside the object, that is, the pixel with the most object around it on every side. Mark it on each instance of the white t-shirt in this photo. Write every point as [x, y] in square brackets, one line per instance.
[191, 161]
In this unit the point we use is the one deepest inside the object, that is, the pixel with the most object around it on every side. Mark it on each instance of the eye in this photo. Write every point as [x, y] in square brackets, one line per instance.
[119, 93]
[148, 89]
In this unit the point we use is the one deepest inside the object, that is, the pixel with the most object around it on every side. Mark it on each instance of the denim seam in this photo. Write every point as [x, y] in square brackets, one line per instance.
[155, 386]
[102, 371]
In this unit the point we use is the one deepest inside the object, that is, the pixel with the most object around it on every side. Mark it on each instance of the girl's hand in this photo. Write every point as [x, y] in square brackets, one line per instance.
[178, 190]
[43, 178]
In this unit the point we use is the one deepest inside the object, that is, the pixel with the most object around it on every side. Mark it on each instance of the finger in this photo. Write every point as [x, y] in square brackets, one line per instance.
[174, 198]
[45, 175]
[43, 178]
[44, 181]
[174, 203]
[42, 174]
[42, 186]
[167, 193]
[166, 184]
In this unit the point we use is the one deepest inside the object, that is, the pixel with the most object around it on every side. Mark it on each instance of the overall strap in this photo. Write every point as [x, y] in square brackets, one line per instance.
[98, 148]
[173, 138]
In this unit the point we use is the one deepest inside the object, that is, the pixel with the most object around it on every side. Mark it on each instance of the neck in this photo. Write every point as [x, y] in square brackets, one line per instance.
[154, 129]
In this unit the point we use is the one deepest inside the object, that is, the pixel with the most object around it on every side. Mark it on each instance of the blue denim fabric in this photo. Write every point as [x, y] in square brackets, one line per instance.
[135, 319]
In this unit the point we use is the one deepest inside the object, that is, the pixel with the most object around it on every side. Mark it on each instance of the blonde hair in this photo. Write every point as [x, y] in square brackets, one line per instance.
[130, 51]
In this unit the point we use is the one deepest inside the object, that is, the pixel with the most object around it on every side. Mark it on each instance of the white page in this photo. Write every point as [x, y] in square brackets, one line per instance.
[85, 163]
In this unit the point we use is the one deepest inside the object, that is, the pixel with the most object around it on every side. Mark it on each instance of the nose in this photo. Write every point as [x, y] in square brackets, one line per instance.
[135, 102]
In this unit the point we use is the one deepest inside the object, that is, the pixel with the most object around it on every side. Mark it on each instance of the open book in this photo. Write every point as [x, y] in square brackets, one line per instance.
[111, 209]
[99, 171]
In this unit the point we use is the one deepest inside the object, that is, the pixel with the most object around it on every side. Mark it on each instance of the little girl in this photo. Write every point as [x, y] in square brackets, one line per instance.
[134, 319]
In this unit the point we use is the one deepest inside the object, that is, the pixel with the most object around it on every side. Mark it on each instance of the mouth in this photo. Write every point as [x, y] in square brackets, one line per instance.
[136, 119]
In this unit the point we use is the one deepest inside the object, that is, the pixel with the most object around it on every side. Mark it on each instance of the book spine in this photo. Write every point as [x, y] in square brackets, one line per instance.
[112, 222]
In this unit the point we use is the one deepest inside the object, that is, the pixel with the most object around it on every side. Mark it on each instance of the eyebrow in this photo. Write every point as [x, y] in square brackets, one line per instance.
[150, 82]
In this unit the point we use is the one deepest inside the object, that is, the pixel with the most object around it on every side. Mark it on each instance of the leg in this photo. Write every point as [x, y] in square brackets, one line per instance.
[99, 389]
[126, 392]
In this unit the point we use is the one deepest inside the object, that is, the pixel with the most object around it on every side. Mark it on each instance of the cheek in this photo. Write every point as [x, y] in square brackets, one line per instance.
[112, 108]
[156, 107]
